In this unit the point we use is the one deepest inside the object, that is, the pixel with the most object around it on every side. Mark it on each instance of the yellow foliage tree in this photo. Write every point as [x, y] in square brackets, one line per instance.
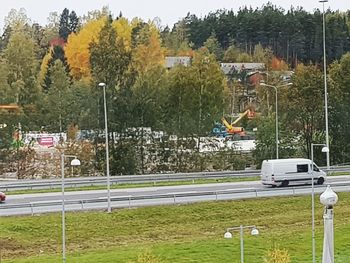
[149, 53]
[123, 29]
[77, 48]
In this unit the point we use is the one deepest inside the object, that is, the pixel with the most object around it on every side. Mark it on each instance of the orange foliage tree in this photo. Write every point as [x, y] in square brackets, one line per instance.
[278, 64]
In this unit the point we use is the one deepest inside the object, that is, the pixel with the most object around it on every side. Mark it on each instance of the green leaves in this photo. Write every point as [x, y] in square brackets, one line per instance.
[109, 58]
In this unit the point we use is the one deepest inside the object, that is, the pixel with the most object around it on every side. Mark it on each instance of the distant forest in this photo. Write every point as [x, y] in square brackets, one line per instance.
[292, 35]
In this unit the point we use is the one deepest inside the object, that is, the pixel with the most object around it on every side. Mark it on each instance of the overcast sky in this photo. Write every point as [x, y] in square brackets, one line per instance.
[169, 12]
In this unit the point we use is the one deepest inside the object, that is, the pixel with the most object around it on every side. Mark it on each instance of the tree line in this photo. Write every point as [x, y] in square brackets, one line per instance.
[293, 35]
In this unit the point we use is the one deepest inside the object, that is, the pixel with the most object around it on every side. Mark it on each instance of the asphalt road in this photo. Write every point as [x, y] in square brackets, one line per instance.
[135, 197]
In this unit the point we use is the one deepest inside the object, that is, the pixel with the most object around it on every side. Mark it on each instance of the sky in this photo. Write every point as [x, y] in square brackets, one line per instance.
[169, 12]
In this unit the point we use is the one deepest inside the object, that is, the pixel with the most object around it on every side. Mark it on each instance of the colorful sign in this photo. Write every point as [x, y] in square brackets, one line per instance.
[46, 141]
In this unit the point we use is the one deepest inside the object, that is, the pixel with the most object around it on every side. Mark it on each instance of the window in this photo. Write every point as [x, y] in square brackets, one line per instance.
[302, 168]
[316, 169]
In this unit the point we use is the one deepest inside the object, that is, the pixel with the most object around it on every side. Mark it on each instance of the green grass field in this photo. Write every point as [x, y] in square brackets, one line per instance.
[177, 234]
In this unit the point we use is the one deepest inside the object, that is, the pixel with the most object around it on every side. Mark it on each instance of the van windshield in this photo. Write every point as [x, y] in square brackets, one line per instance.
[316, 169]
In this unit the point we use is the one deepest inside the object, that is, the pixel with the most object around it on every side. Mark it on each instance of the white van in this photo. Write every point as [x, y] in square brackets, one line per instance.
[282, 172]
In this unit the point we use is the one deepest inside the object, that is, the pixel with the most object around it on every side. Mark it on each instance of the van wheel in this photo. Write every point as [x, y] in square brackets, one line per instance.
[285, 183]
[320, 180]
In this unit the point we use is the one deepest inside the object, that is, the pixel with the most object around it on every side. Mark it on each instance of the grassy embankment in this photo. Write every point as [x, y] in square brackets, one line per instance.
[176, 234]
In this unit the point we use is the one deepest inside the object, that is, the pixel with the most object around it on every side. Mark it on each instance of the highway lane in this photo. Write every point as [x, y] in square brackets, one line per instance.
[8, 185]
[135, 197]
[78, 195]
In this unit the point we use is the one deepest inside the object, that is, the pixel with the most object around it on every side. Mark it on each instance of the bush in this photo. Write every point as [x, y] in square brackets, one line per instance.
[277, 255]
[147, 257]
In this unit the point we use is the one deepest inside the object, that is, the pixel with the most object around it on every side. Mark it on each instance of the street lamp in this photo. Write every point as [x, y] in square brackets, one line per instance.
[276, 88]
[103, 85]
[329, 198]
[74, 162]
[325, 80]
[325, 149]
[254, 231]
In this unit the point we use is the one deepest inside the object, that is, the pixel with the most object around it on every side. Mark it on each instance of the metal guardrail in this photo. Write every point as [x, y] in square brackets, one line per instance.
[173, 197]
[137, 179]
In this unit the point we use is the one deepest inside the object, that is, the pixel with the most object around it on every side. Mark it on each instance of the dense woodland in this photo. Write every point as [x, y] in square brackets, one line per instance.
[293, 35]
[52, 72]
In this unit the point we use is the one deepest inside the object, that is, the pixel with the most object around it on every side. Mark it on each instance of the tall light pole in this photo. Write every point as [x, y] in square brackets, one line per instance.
[325, 80]
[103, 85]
[74, 162]
[228, 234]
[328, 198]
[276, 102]
[325, 149]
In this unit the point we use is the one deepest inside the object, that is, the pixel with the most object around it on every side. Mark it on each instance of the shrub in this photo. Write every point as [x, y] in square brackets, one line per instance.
[277, 255]
[147, 257]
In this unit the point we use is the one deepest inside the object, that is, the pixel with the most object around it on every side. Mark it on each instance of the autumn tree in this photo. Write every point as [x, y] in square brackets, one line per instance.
[124, 30]
[109, 59]
[148, 52]
[77, 49]
[147, 63]
[109, 64]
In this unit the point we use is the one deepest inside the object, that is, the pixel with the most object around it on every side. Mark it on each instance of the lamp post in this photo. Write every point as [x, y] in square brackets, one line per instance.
[228, 235]
[324, 149]
[329, 198]
[325, 80]
[74, 162]
[103, 85]
[276, 88]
